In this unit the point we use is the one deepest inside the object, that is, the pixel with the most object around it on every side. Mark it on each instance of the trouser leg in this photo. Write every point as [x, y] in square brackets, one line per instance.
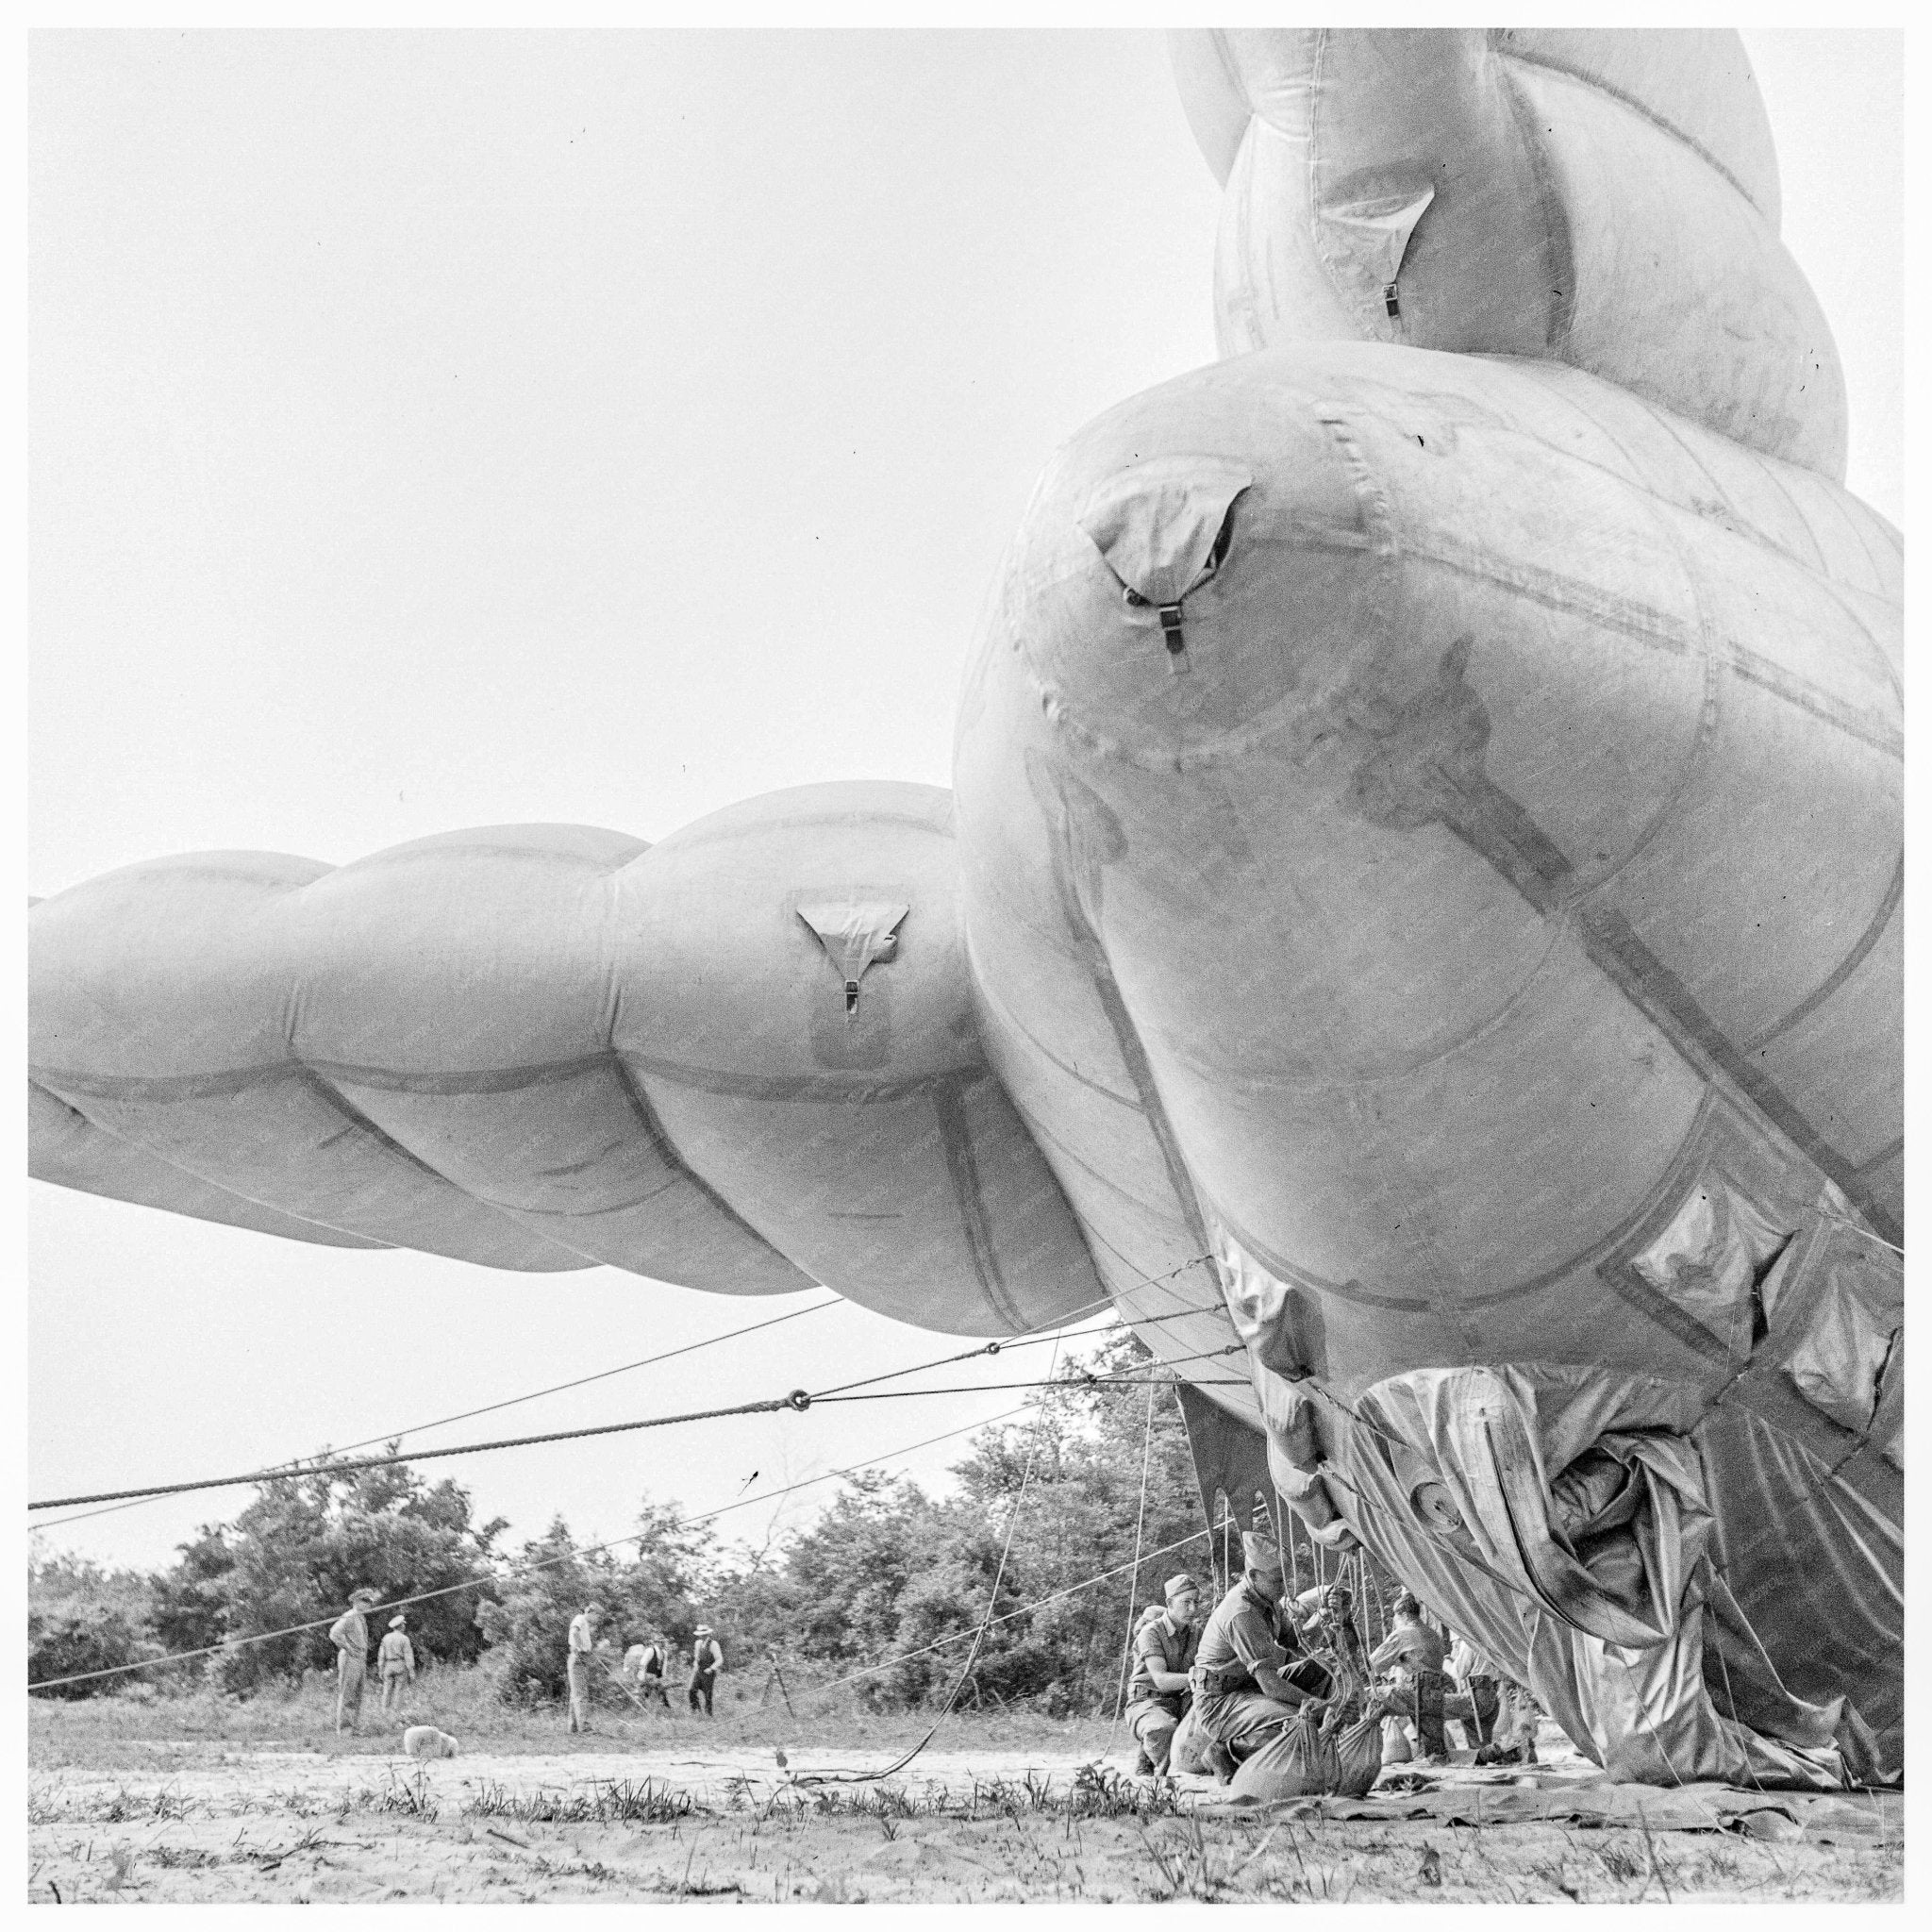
[579, 1680]
[1430, 1740]
[1155, 1728]
[349, 1676]
[1482, 1698]
[1244, 1720]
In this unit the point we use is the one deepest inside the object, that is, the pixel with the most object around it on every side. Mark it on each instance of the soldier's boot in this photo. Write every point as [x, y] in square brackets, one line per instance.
[1220, 1760]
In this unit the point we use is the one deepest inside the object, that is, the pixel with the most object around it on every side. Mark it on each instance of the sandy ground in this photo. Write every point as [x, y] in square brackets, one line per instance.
[214, 1822]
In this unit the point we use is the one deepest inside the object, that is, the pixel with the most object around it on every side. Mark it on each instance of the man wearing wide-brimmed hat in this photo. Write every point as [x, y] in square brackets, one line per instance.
[706, 1665]
[349, 1633]
[1247, 1686]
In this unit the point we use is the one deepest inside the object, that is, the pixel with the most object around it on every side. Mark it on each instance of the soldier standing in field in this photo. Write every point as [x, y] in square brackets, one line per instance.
[644, 1670]
[576, 1665]
[349, 1633]
[396, 1660]
[707, 1667]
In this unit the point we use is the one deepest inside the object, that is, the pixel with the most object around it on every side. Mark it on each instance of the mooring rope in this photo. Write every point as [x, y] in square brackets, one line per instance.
[1119, 1701]
[993, 1597]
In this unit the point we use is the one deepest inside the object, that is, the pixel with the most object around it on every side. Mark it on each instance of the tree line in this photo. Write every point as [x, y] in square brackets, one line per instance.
[867, 1588]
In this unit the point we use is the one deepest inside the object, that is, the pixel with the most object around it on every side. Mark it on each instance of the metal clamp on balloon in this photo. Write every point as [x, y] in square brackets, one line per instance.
[799, 1400]
[1169, 616]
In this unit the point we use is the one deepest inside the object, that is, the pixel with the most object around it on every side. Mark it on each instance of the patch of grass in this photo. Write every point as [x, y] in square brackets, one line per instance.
[1621, 1859]
[616, 1802]
[110, 1732]
[182, 1857]
[45, 1806]
[408, 1796]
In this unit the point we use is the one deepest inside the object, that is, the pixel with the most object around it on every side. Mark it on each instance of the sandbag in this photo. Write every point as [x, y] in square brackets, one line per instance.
[1358, 1756]
[1301, 1760]
[1395, 1742]
[1189, 1749]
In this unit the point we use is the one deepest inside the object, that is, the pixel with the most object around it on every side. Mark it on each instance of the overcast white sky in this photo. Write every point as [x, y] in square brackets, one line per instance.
[433, 430]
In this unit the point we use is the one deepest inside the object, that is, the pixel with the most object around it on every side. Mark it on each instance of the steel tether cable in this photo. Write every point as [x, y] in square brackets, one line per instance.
[799, 1399]
[516, 1570]
[311, 1465]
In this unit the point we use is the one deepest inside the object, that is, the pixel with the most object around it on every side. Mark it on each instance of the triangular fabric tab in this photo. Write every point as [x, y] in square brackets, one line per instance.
[854, 932]
[1156, 524]
[1374, 234]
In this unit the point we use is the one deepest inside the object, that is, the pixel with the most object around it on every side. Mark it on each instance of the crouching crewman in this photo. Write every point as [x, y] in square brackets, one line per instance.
[1157, 1692]
[1248, 1687]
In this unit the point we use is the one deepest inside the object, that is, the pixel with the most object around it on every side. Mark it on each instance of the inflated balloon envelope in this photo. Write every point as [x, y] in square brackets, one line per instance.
[1419, 901]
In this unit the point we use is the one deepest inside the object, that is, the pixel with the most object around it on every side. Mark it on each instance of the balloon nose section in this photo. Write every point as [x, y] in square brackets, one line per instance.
[1163, 528]
[1193, 568]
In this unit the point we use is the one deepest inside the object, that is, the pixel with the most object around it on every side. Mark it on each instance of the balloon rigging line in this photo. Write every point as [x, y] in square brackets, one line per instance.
[799, 1400]
[1008, 1616]
[529, 1568]
[1120, 1702]
[327, 1461]
[1860, 1228]
[308, 1465]
[993, 1597]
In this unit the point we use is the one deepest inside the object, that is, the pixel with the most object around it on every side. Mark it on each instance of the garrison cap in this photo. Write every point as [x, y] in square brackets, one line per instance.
[1182, 1585]
[702, 1630]
[365, 1595]
[1260, 1554]
[398, 1622]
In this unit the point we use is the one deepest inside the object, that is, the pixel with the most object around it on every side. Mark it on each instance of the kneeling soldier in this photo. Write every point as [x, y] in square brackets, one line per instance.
[1247, 1685]
[1157, 1692]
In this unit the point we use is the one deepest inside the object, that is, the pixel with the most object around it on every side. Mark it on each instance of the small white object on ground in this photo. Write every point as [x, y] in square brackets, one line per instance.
[425, 1740]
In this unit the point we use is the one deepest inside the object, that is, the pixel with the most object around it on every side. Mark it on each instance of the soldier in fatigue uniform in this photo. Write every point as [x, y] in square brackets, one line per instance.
[395, 1656]
[1248, 1683]
[1157, 1692]
[1414, 1649]
[349, 1633]
[579, 1654]
[1476, 1676]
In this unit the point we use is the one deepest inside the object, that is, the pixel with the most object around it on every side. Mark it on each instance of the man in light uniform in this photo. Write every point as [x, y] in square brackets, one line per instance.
[1475, 1677]
[396, 1660]
[349, 1633]
[576, 1665]
[644, 1670]
[1157, 1691]
[707, 1667]
[1414, 1650]
[1247, 1686]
